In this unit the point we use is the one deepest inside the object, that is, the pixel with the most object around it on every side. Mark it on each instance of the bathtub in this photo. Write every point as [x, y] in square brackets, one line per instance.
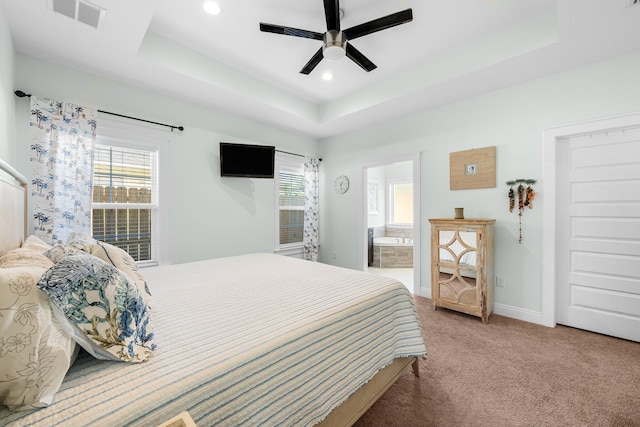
[392, 241]
[392, 252]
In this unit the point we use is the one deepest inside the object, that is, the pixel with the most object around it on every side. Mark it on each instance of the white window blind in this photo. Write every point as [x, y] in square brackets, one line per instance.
[125, 199]
[290, 187]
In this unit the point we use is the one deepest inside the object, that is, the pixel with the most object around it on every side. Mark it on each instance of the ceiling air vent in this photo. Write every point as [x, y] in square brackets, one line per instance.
[80, 11]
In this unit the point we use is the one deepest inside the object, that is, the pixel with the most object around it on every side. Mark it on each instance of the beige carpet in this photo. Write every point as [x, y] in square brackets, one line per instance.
[513, 373]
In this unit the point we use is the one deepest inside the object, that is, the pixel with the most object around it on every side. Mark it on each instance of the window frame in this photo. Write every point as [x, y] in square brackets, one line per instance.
[123, 135]
[390, 202]
[291, 163]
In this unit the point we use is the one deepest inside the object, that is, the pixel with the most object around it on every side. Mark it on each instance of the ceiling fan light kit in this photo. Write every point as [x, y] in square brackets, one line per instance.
[335, 42]
[334, 45]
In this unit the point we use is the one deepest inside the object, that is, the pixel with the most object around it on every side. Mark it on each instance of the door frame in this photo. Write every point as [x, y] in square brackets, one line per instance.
[362, 235]
[550, 141]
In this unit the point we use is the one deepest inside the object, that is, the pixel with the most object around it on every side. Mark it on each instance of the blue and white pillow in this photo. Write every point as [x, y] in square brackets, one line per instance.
[100, 307]
[113, 255]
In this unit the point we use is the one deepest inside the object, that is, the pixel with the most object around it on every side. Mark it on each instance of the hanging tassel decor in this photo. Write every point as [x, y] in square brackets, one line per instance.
[512, 197]
[530, 194]
[525, 198]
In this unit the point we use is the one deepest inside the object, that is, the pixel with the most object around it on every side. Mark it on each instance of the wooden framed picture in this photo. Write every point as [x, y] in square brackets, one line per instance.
[471, 169]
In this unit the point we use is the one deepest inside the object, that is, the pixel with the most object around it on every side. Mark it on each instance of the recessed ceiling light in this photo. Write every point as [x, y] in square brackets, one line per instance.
[327, 75]
[211, 7]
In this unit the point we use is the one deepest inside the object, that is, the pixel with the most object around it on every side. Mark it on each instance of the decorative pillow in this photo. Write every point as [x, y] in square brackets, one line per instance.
[35, 353]
[100, 307]
[22, 257]
[58, 252]
[115, 256]
[36, 244]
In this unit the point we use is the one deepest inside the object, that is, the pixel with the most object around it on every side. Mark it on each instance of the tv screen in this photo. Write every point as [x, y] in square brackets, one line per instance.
[246, 161]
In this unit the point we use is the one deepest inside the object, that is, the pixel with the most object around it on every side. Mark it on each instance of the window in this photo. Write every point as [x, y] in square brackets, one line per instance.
[125, 198]
[289, 181]
[400, 202]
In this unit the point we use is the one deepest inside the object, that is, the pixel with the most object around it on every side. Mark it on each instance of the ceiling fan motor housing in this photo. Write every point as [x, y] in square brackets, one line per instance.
[334, 46]
[335, 43]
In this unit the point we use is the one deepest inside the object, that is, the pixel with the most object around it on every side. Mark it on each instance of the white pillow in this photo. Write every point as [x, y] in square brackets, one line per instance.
[35, 353]
[23, 257]
[36, 244]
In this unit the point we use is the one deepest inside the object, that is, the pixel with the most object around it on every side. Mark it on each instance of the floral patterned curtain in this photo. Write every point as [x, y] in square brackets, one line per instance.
[62, 168]
[310, 238]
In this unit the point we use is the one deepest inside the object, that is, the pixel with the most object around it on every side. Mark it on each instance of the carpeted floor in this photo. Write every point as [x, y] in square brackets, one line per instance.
[512, 373]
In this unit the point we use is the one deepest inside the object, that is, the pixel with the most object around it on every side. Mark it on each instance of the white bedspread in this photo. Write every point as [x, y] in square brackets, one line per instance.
[249, 340]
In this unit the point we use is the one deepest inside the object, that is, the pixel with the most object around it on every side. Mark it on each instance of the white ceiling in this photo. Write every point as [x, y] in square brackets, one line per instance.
[451, 50]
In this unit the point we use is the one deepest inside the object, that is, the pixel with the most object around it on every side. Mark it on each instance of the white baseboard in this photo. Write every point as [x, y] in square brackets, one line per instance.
[518, 313]
[425, 292]
[502, 309]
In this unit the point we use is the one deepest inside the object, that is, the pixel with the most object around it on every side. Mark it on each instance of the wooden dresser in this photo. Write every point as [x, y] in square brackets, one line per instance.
[462, 265]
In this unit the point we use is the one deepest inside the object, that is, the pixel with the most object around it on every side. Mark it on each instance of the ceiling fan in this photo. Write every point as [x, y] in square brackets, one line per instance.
[335, 42]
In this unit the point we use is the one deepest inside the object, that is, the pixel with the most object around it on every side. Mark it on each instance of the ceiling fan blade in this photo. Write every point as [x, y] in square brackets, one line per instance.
[356, 56]
[315, 60]
[379, 24]
[332, 14]
[290, 31]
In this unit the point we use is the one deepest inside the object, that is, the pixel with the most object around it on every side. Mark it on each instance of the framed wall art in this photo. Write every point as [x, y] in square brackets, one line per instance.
[475, 168]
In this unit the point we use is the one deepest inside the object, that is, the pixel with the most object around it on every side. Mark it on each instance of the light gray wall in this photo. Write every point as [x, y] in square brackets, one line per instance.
[209, 216]
[511, 119]
[6, 91]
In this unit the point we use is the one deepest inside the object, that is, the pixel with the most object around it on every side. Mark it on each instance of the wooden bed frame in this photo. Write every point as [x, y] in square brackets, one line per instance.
[358, 403]
[13, 220]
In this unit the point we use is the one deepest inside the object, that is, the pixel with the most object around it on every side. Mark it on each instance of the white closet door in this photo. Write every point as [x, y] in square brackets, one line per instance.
[598, 233]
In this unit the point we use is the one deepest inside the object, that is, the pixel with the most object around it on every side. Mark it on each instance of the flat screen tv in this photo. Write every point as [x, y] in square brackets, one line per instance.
[246, 161]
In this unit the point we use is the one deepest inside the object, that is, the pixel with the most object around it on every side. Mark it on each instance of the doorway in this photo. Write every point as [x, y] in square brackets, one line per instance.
[593, 229]
[391, 220]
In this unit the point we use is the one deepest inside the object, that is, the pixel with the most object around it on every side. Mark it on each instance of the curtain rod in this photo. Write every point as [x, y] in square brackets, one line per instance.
[22, 94]
[294, 154]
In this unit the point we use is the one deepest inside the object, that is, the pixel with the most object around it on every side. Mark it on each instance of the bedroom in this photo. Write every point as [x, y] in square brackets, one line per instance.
[511, 117]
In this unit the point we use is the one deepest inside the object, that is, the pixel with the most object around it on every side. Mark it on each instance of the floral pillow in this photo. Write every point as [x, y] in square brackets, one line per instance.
[35, 352]
[100, 307]
[22, 257]
[115, 256]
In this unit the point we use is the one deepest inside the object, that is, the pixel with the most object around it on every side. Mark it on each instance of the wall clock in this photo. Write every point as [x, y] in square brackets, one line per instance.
[341, 184]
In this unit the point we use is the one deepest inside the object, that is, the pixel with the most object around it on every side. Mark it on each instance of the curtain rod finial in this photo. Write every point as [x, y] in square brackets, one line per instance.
[22, 94]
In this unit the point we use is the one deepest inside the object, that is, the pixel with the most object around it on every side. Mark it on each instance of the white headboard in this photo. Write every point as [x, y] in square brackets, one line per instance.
[13, 207]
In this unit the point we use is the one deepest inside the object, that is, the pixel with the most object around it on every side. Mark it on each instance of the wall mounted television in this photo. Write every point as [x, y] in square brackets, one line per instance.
[246, 161]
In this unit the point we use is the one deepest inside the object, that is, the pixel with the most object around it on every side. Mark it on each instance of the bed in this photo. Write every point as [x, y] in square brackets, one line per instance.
[257, 339]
